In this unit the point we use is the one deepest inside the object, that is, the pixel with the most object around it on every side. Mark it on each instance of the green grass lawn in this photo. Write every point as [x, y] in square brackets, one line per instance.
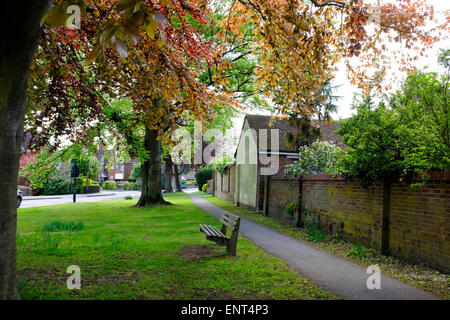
[169, 194]
[146, 253]
[198, 192]
[419, 276]
[182, 193]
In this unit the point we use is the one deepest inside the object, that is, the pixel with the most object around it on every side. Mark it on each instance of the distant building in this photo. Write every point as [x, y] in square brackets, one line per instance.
[111, 169]
[258, 155]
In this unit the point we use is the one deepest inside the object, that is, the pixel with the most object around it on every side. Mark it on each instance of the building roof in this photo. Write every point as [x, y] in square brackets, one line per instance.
[258, 122]
[326, 133]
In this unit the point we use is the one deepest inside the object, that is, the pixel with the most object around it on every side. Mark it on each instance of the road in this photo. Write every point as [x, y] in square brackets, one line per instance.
[40, 201]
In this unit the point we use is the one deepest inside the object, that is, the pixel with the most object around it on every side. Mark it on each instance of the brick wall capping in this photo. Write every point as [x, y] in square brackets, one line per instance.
[432, 176]
[436, 176]
[316, 177]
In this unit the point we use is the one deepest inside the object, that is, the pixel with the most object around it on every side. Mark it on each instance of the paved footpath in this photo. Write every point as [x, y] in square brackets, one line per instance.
[342, 277]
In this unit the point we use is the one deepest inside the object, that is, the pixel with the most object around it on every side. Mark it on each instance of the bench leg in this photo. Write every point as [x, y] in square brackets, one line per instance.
[232, 242]
[231, 250]
[231, 246]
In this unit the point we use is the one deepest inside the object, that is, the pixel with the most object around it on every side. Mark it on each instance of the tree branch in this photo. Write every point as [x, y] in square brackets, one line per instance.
[329, 3]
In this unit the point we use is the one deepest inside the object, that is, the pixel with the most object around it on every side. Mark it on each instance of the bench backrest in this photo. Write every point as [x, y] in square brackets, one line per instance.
[230, 220]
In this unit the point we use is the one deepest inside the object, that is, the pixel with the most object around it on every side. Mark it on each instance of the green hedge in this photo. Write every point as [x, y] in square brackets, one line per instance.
[109, 185]
[56, 185]
[81, 184]
[202, 176]
[131, 186]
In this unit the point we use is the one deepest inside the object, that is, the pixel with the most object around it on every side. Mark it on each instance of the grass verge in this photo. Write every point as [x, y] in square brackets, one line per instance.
[197, 192]
[419, 276]
[145, 253]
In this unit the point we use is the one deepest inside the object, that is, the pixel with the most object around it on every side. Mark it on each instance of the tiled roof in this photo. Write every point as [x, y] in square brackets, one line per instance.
[326, 133]
[258, 122]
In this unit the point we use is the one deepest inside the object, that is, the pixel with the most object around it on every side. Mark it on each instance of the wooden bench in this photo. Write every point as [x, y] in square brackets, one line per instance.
[220, 236]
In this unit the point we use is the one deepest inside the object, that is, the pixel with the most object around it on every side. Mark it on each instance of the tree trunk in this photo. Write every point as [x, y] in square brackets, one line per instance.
[151, 172]
[20, 27]
[177, 175]
[168, 174]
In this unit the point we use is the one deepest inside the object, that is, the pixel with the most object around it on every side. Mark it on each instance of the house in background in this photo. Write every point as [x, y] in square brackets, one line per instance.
[118, 170]
[262, 152]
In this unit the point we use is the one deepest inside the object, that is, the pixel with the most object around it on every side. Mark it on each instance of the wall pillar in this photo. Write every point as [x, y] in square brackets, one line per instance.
[298, 220]
[385, 218]
[266, 196]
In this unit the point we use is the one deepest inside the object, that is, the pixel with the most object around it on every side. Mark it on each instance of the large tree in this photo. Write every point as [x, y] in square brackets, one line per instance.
[20, 25]
[151, 54]
[159, 73]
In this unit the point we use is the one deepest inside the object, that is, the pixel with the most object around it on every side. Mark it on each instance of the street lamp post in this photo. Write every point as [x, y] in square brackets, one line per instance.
[74, 173]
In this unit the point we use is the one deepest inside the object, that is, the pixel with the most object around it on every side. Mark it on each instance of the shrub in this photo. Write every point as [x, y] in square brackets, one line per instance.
[221, 164]
[203, 174]
[81, 184]
[313, 231]
[359, 251]
[109, 185]
[320, 157]
[406, 137]
[291, 207]
[130, 186]
[136, 172]
[128, 198]
[56, 226]
[205, 187]
[56, 185]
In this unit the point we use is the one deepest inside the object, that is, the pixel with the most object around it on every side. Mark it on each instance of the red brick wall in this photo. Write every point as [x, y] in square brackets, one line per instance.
[281, 192]
[283, 161]
[349, 208]
[127, 169]
[418, 225]
[416, 221]
[419, 228]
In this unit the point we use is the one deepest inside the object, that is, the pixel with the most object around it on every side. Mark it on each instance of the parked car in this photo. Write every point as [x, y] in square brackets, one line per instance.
[19, 197]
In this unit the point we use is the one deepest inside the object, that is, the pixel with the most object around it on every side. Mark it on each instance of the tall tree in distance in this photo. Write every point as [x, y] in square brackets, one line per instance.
[159, 73]
[325, 101]
[322, 105]
[306, 131]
